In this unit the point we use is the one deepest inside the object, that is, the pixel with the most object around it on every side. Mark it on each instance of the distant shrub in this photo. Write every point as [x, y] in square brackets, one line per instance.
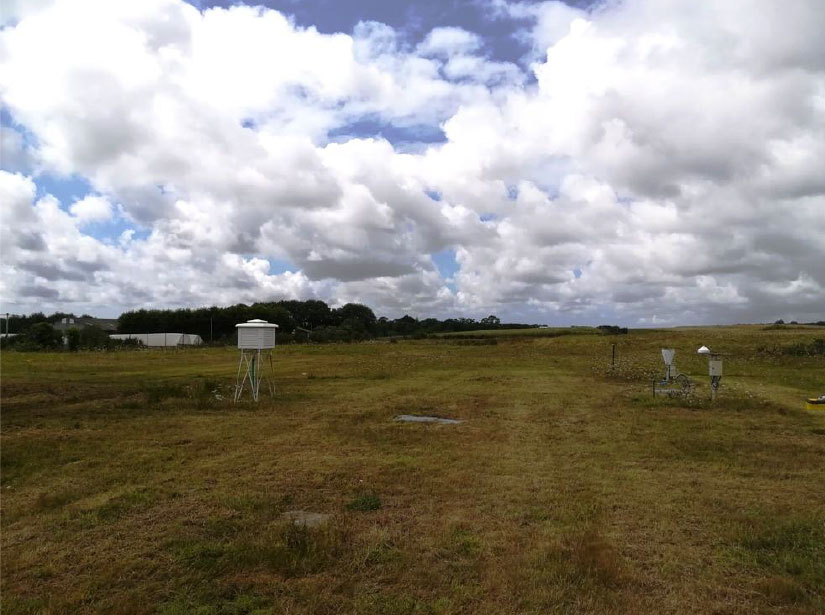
[334, 334]
[73, 339]
[470, 341]
[130, 344]
[801, 349]
[40, 336]
[612, 330]
[8, 342]
[94, 338]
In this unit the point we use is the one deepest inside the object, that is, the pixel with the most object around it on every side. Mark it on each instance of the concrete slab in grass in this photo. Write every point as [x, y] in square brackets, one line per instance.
[303, 517]
[413, 418]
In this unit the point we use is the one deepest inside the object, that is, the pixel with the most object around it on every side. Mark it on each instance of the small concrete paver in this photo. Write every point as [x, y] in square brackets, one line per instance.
[412, 418]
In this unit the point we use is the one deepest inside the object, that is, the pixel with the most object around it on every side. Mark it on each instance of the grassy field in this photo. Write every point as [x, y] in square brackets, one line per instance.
[131, 484]
[531, 332]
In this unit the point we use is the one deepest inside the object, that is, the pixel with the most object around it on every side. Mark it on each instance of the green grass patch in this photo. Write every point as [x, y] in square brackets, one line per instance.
[288, 549]
[793, 548]
[537, 332]
[239, 604]
[365, 502]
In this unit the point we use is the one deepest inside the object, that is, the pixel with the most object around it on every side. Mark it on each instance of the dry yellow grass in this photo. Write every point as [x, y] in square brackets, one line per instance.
[127, 487]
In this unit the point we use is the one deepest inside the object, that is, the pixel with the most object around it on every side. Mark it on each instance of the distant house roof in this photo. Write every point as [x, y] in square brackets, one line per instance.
[107, 324]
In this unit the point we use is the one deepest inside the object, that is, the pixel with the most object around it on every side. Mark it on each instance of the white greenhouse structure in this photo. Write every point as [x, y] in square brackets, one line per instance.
[161, 340]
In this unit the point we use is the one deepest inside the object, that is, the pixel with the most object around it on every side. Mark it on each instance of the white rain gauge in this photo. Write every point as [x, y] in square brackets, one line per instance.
[714, 369]
[256, 339]
[674, 383]
[667, 356]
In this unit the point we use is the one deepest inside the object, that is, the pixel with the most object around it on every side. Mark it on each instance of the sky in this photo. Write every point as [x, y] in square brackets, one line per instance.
[634, 162]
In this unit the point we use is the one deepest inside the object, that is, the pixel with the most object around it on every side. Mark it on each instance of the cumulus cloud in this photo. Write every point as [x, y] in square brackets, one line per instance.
[657, 162]
[548, 22]
[448, 41]
[45, 247]
[92, 208]
[14, 154]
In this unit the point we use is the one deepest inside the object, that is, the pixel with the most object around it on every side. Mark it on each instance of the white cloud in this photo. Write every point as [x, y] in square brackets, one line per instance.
[14, 153]
[449, 41]
[665, 161]
[12, 11]
[550, 21]
[49, 261]
[92, 208]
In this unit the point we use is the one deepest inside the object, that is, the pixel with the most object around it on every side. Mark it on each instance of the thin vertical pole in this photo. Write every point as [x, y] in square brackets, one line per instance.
[613, 358]
[210, 329]
[259, 373]
[254, 381]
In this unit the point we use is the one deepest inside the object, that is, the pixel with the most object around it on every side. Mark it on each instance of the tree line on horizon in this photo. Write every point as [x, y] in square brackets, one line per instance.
[311, 320]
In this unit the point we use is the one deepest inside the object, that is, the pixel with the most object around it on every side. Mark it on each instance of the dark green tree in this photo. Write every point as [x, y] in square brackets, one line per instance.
[73, 339]
[357, 313]
[43, 336]
[93, 338]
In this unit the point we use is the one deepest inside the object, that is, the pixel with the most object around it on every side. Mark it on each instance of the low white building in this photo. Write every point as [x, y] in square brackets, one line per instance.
[161, 340]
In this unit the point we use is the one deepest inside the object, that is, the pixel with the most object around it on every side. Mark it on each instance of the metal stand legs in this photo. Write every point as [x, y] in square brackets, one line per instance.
[255, 363]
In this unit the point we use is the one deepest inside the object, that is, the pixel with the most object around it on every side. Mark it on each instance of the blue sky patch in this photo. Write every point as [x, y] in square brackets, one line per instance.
[373, 127]
[6, 118]
[277, 266]
[411, 20]
[446, 263]
[66, 189]
[72, 188]
[110, 231]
